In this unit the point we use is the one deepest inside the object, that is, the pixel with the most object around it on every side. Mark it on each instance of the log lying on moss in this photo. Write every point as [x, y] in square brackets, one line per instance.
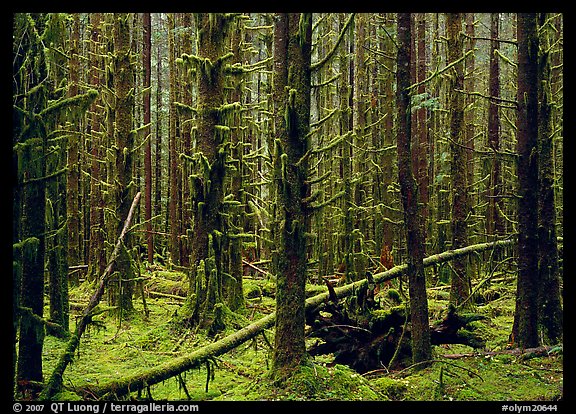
[55, 382]
[172, 368]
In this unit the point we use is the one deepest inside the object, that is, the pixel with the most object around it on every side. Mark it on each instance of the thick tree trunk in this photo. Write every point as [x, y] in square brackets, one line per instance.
[124, 146]
[421, 348]
[292, 36]
[524, 331]
[30, 139]
[209, 169]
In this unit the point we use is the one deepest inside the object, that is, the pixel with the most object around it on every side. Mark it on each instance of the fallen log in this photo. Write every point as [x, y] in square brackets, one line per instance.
[172, 368]
[55, 382]
[532, 352]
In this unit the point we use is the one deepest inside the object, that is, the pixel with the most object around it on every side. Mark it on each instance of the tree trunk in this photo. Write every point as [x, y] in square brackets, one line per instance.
[209, 170]
[124, 146]
[524, 331]
[292, 58]
[30, 143]
[421, 347]
[73, 185]
[174, 242]
[494, 219]
[96, 250]
[550, 307]
[421, 153]
[147, 64]
[460, 280]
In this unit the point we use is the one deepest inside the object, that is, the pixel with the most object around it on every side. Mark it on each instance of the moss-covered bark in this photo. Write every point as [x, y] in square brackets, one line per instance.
[421, 349]
[208, 166]
[123, 286]
[292, 37]
[460, 280]
[524, 330]
[550, 306]
[30, 136]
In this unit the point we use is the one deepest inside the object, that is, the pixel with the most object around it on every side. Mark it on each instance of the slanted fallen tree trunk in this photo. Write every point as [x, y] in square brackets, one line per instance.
[176, 366]
[55, 382]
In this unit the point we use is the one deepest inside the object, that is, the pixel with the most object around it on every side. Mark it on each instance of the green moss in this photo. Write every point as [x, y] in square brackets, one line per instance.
[394, 389]
[312, 382]
[118, 350]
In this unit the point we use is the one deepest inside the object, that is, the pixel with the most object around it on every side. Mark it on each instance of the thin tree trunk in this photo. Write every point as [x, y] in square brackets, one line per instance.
[55, 382]
[147, 64]
[421, 348]
[96, 250]
[494, 219]
[460, 283]
[174, 243]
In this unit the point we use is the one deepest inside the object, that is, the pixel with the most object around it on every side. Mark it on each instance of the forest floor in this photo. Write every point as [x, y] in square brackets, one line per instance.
[113, 348]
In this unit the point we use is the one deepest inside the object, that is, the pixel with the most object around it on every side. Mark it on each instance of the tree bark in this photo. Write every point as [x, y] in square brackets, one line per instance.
[292, 37]
[460, 280]
[524, 331]
[421, 347]
[124, 146]
[494, 220]
[147, 64]
[550, 306]
[174, 242]
[96, 250]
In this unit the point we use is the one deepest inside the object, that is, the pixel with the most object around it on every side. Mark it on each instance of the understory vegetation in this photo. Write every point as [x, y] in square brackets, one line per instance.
[114, 347]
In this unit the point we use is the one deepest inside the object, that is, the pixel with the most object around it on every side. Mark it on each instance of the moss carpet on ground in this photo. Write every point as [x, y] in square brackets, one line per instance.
[112, 348]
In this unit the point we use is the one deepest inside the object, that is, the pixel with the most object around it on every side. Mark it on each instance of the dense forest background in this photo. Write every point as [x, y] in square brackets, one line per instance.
[301, 149]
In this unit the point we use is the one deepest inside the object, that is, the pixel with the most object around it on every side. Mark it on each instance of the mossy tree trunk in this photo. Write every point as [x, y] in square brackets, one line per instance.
[208, 169]
[174, 241]
[460, 280]
[96, 250]
[233, 290]
[421, 348]
[494, 219]
[421, 151]
[292, 54]
[30, 141]
[123, 285]
[550, 307]
[147, 63]
[59, 223]
[73, 184]
[524, 330]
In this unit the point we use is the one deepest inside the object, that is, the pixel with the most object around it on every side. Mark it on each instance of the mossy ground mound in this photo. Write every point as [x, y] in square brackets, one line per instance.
[116, 348]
